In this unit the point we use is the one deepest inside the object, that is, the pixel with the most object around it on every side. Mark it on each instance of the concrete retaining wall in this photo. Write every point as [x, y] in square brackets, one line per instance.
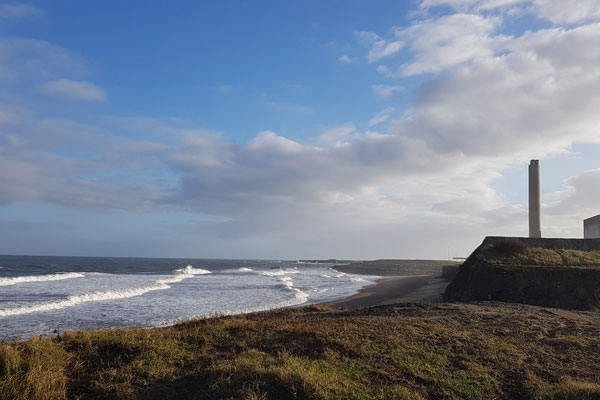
[561, 287]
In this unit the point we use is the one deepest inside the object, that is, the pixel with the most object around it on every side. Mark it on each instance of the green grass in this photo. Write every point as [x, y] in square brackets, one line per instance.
[403, 352]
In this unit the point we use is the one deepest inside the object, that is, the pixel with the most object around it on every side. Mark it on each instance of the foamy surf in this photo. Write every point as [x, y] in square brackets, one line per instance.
[289, 285]
[39, 278]
[135, 292]
[189, 270]
[279, 273]
[160, 284]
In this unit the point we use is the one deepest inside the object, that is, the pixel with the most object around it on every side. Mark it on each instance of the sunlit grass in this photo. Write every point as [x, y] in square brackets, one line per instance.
[410, 352]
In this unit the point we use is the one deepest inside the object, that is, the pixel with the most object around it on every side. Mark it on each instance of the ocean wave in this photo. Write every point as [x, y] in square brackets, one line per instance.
[189, 270]
[245, 269]
[288, 284]
[39, 278]
[280, 272]
[73, 300]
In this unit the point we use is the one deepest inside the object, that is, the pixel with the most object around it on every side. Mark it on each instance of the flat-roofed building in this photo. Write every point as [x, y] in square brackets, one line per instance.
[591, 228]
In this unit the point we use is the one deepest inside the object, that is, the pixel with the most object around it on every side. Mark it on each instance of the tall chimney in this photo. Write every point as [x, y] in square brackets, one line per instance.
[535, 225]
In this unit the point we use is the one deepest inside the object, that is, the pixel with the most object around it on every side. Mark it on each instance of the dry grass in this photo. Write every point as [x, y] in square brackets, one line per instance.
[402, 352]
[511, 253]
[33, 370]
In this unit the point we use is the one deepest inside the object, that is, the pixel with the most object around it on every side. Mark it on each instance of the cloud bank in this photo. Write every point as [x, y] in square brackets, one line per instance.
[489, 100]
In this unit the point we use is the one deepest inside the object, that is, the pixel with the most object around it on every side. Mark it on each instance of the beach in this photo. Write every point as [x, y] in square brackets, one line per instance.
[399, 289]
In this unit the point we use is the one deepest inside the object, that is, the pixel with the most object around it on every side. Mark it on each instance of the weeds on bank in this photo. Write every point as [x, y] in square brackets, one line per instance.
[571, 391]
[35, 369]
[314, 353]
[514, 252]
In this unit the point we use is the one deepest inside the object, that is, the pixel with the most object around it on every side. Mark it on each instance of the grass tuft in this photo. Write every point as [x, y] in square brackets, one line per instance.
[572, 391]
[35, 370]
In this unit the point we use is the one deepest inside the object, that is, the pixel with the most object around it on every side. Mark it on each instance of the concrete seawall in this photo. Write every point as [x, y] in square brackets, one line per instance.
[572, 287]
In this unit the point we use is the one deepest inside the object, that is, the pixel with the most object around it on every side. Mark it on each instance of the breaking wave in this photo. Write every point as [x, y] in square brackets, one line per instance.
[39, 278]
[73, 300]
[280, 272]
[287, 283]
[189, 270]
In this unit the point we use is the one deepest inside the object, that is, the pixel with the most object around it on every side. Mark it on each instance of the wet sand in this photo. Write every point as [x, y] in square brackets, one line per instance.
[400, 289]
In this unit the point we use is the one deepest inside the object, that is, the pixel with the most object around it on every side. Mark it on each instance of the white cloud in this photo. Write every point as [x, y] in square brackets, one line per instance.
[345, 59]
[580, 197]
[568, 11]
[448, 42]
[557, 11]
[379, 48]
[382, 49]
[386, 91]
[466, 5]
[339, 135]
[33, 59]
[74, 90]
[15, 11]
[382, 116]
[271, 142]
[367, 38]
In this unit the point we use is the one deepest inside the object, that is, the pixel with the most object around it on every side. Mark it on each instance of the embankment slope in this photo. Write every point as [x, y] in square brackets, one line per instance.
[562, 273]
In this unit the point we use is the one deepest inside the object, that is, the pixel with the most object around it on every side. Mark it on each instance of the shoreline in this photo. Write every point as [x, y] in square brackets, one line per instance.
[384, 290]
[398, 289]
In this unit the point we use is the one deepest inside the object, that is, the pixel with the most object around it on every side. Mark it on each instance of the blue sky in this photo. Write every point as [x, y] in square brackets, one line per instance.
[309, 129]
[276, 64]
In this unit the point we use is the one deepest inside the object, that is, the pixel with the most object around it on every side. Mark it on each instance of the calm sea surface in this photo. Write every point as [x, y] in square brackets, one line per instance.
[39, 295]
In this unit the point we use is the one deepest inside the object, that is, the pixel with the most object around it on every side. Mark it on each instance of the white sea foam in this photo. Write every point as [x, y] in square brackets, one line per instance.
[289, 285]
[39, 278]
[245, 269]
[160, 284]
[279, 273]
[357, 279]
[192, 271]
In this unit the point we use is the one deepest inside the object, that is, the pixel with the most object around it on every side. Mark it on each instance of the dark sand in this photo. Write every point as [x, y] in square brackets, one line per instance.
[400, 289]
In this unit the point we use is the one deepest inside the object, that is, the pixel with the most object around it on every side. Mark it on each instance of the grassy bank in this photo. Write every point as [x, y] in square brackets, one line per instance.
[513, 252]
[393, 352]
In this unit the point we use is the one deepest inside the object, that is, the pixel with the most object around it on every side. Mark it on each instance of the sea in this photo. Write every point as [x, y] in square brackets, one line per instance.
[46, 296]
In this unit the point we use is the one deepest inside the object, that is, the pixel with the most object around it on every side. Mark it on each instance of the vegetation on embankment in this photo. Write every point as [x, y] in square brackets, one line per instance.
[392, 352]
[514, 252]
[396, 267]
[510, 270]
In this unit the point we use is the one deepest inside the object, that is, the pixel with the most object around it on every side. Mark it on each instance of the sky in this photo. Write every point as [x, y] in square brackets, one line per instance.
[294, 129]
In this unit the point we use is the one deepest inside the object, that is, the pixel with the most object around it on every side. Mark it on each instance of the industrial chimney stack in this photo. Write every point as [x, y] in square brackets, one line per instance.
[535, 225]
